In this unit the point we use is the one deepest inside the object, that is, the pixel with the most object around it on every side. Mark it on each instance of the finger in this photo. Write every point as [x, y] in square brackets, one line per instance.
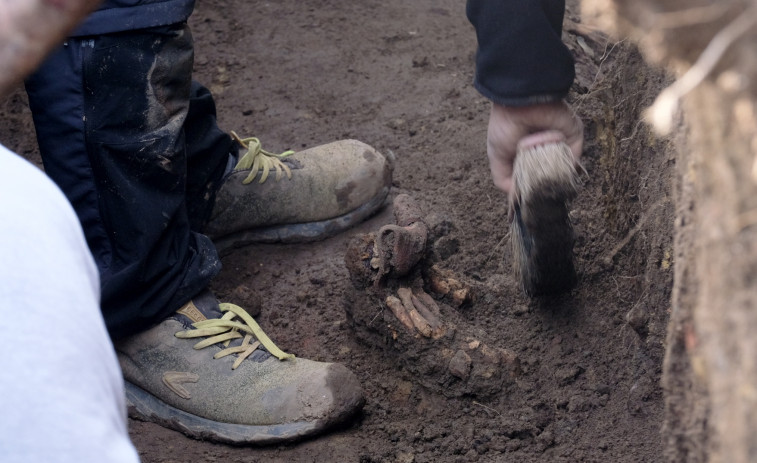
[30, 29]
[504, 131]
[574, 137]
[568, 122]
[576, 147]
[502, 171]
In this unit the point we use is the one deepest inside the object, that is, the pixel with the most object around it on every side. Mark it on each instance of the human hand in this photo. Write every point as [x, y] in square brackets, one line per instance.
[30, 29]
[509, 124]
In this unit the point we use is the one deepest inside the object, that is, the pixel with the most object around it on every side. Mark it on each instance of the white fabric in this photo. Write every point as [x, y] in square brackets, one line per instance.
[61, 390]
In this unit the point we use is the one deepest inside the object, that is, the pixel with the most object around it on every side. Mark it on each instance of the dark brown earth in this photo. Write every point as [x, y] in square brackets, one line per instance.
[397, 75]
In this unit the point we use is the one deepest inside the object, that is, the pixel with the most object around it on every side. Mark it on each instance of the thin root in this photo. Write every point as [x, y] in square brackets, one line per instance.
[661, 112]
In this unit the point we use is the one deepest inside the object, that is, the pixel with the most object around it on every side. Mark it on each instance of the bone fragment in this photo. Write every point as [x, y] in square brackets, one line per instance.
[395, 305]
[437, 328]
[428, 301]
[420, 323]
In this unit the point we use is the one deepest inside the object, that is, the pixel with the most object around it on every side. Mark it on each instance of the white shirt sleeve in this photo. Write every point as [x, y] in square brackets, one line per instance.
[61, 390]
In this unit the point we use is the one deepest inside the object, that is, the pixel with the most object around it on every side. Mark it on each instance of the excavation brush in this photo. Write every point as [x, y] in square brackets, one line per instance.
[545, 180]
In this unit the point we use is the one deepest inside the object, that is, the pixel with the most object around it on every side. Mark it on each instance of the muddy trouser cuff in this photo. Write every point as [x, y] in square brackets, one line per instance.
[134, 145]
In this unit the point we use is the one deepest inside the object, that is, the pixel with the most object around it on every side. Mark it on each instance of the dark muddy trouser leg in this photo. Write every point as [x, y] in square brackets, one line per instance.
[110, 113]
[208, 149]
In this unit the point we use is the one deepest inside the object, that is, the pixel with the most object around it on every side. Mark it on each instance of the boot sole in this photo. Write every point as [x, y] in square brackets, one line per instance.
[144, 406]
[301, 232]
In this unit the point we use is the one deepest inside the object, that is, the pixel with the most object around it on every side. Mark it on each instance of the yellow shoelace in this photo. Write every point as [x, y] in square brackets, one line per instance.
[257, 159]
[224, 329]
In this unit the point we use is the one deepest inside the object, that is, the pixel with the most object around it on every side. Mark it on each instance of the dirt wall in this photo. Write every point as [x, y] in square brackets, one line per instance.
[710, 368]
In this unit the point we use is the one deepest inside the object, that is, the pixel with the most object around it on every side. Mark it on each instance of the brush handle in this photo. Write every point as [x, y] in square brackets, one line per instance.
[544, 137]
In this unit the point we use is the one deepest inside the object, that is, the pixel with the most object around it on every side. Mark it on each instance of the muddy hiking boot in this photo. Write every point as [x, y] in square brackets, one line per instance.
[296, 197]
[211, 373]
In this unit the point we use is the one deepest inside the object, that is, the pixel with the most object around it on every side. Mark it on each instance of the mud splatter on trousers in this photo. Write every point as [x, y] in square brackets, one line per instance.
[134, 145]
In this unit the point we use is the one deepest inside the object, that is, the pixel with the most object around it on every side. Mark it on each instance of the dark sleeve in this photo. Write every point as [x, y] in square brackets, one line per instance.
[127, 15]
[521, 58]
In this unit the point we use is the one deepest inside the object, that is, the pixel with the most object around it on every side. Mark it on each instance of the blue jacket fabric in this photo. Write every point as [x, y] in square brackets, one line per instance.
[128, 15]
[521, 58]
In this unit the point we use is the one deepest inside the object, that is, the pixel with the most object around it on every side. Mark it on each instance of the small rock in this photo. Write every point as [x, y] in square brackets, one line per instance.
[439, 226]
[248, 299]
[520, 309]
[420, 62]
[344, 350]
[446, 247]
[579, 403]
[564, 429]
[602, 389]
[396, 124]
[402, 393]
[460, 296]
[490, 355]
[568, 374]
[525, 386]
[637, 319]
[460, 365]
[481, 449]
[546, 439]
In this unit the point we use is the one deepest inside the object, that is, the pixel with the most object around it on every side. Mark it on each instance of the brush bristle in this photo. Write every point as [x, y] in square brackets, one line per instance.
[544, 181]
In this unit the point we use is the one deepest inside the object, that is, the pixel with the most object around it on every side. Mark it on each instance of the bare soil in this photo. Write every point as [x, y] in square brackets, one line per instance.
[583, 383]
